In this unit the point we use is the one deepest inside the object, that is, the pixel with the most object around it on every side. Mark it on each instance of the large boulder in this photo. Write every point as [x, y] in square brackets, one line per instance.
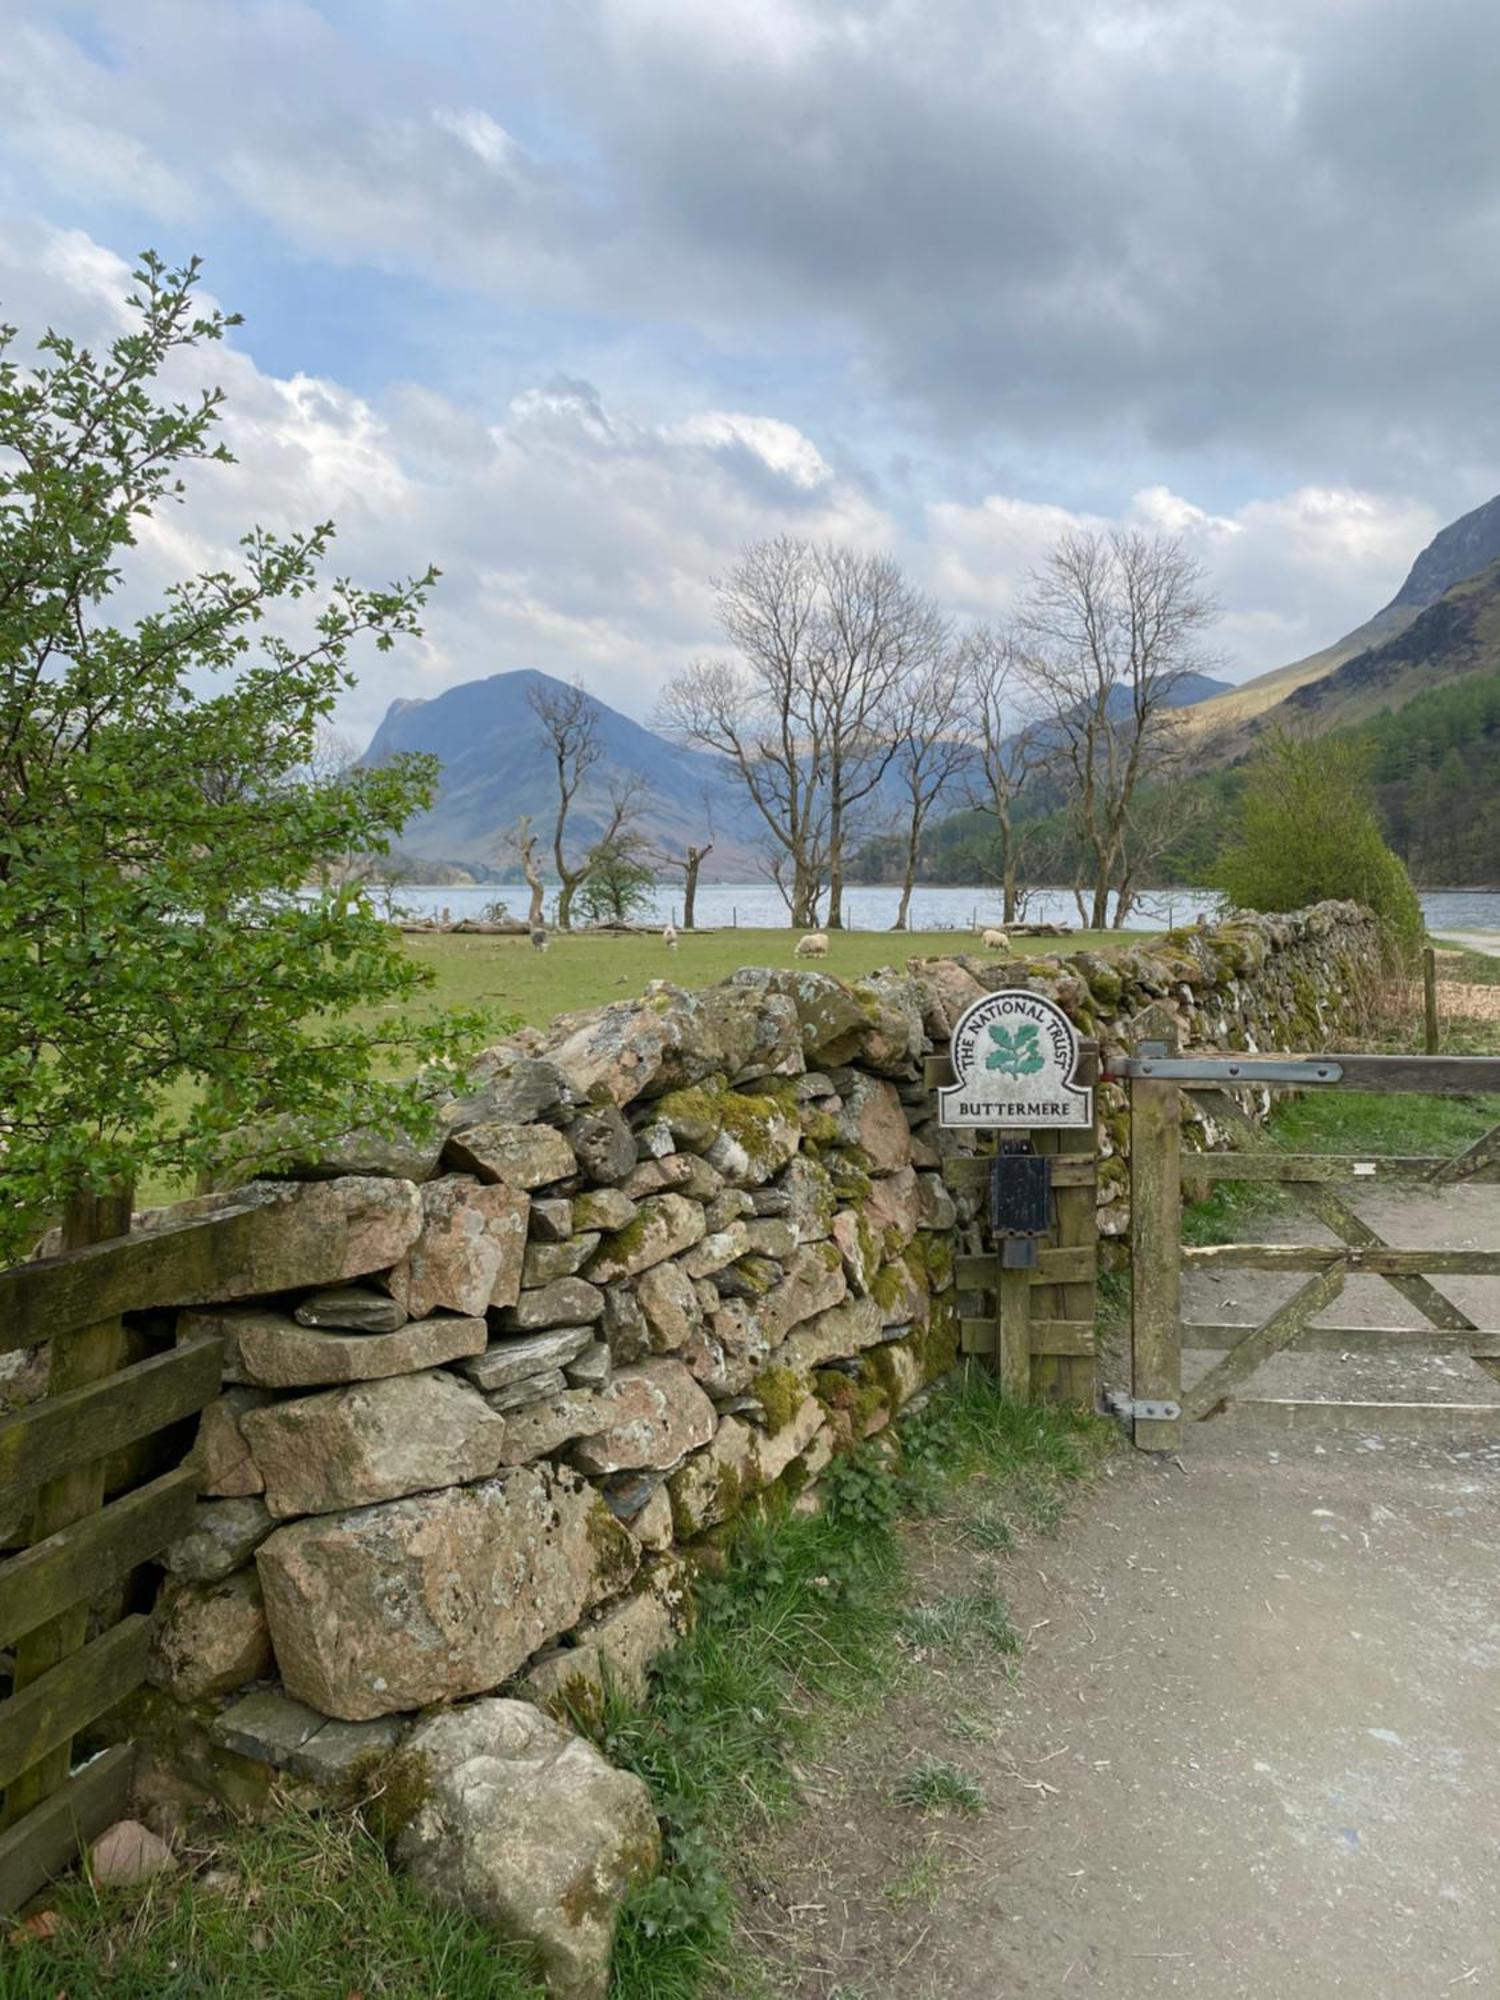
[271, 1349]
[469, 1253]
[524, 1825]
[656, 1413]
[374, 1441]
[509, 1088]
[439, 1596]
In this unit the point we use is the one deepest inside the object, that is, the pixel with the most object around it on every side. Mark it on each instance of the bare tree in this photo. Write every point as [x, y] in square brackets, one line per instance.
[1161, 815]
[1108, 630]
[569, 717]
[764, 714]
[521, 842]
[689, 862]
[932, 750]
[808, 716]
[1006, 749]
[877, 635]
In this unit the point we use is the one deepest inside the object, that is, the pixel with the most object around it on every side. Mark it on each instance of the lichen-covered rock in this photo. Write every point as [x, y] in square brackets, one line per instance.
[894, 1205]
[209, 1638]
[271, 1350]
[604, 1208]
[551, 1218]
[220, 1455]
[522, 1156]
[856, 1248]
[127, 1854]
[814, 1280]
[509, 1088]
[631, 1635]
[546, 1262]
[563, 1302]
[843, 1329]
[223, 1536]
[524, 1825]
[438, 1596]
[592, 1368]
[893, 1042]
[758, 1137]
[872, 1120]
[655, 1413]
[935, 1208]
[720, 1247]
[666, 1296]
[831, 1021]
[605, 1148]
[373, 1441]
[810, 1199]
[710, 1487]
[665, 1225]
[525, 1394]
[541, 1428]
[624, 1324]
[469, 1252]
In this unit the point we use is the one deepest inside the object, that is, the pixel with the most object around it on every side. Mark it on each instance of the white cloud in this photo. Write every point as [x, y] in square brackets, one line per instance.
[1292, 573]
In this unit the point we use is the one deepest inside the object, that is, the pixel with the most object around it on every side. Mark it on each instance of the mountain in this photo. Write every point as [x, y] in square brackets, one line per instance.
[494, 768]
[1453, 556]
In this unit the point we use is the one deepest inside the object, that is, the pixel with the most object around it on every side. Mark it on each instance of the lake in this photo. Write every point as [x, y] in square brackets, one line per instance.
[757, 906]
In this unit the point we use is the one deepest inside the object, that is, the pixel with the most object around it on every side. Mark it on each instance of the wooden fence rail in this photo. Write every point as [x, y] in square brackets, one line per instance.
[77, 1651]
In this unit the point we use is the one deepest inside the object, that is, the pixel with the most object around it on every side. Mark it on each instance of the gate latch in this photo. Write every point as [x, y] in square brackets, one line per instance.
[1141, 1409]
[1020, 1201]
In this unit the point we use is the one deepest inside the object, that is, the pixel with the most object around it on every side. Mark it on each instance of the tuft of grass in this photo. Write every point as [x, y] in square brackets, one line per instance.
[305, 1905]
[967, 1626]
[935, 1786]
[920, 1881]
[989, 1528]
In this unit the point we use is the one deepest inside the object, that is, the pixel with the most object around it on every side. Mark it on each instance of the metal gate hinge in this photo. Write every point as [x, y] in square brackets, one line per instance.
[1141, 1409]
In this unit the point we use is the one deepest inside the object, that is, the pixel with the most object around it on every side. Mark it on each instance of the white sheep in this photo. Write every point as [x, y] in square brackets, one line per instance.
[814, 945]
[995, 941]
[669, 937]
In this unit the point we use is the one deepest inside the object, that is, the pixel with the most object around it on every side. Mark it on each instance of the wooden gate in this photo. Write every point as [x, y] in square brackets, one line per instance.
[1036, 1325]
[1158, 1404]
[71, 1493]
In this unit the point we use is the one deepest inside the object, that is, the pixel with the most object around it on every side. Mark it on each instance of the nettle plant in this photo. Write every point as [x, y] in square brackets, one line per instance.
[166, 990]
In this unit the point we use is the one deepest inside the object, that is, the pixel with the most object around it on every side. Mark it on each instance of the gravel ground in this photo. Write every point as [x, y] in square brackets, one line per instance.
[1252, 1749]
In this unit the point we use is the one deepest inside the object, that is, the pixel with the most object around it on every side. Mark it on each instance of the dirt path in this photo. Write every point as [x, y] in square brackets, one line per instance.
[1253, 1749]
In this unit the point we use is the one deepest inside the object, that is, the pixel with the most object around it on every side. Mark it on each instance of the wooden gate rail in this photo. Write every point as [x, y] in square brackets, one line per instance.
[1039, 1328]
[1160, 1168]
[60, 1453]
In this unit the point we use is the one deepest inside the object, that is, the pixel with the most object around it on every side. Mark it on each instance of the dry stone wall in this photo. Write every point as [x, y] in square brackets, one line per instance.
[484, 1396]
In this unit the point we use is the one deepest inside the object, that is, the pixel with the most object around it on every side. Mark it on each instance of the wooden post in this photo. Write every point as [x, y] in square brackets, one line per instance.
[83, 1355]
[1429, 998]
[1155, 1251]
[1069, 1378]
[1014, 1346]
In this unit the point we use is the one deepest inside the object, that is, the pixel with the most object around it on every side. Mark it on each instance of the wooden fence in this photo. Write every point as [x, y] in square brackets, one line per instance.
[69, 1467]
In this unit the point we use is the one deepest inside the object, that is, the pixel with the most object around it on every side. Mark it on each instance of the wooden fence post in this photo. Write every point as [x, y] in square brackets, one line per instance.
[1429, 998]
[1155, 1254]
[82, 1355]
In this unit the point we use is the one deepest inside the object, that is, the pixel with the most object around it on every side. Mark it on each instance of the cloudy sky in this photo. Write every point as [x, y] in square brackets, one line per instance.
[574, 297]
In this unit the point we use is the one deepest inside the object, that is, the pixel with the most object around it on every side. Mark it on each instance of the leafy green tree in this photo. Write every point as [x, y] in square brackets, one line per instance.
[162, 982]
[1307, 833]
[618, 885]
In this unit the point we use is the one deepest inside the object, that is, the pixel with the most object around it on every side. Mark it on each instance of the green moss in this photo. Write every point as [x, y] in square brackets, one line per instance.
[888, 1286]
[394, 1789]
[615, 1552]
[781, 1393]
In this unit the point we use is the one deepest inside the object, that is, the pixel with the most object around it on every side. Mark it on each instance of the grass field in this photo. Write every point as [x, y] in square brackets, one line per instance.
[505, 973]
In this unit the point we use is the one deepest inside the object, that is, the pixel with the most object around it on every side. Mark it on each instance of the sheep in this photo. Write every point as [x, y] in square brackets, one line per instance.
[669, 937]
[539, 937]
[995, 941]
[814, 945]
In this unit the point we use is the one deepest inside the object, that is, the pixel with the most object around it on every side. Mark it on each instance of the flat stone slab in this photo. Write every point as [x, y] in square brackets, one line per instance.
[272, 1728]
[351, 1309]
[271, 1349]
[508, 1361]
